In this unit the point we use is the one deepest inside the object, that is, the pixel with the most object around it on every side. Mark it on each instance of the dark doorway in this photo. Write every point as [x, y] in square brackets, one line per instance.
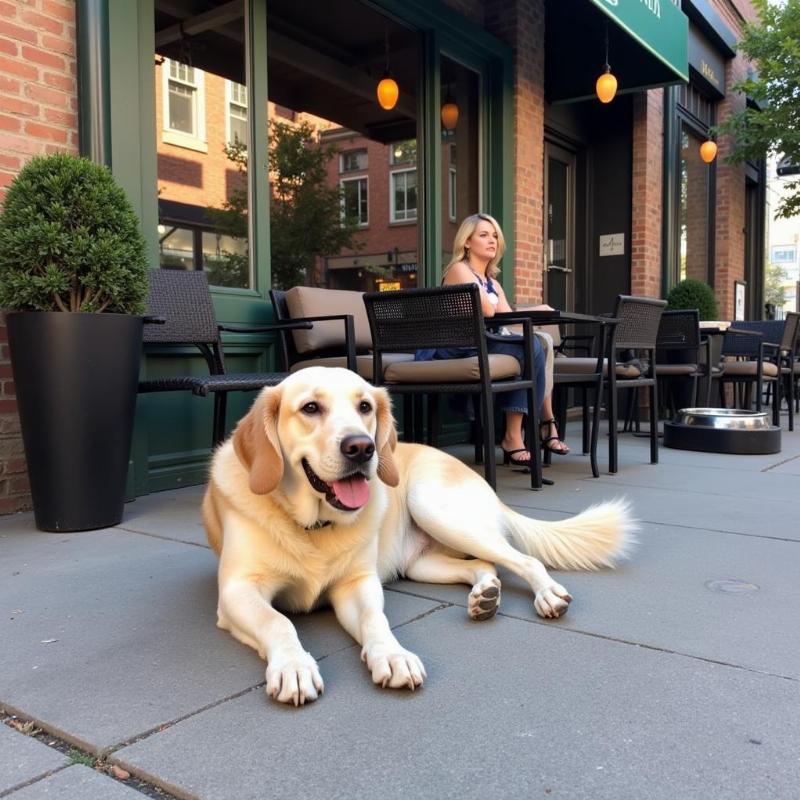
[559, 227]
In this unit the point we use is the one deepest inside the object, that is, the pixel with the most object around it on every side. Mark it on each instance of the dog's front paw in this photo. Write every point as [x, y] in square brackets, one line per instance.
[553, 601]
[395, 667]
[294, 678]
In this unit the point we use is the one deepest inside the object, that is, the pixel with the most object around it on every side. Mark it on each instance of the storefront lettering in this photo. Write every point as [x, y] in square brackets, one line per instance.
[653, 6]
[708, 72]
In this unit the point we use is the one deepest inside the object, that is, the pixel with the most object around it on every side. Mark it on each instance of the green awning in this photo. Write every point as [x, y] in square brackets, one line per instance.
[648, 45]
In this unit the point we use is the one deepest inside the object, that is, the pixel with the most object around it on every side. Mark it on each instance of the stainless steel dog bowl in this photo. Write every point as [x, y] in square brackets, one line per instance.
[723, 430]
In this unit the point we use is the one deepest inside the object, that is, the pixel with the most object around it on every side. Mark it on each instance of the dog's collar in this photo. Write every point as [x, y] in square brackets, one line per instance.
[320, 523]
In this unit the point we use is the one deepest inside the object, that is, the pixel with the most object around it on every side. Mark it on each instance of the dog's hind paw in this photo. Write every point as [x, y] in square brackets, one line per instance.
[552, 602]
[484, 599]
[294, 680]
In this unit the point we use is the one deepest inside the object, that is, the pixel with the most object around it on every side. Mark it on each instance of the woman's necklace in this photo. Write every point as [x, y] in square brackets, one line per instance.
[486, 282]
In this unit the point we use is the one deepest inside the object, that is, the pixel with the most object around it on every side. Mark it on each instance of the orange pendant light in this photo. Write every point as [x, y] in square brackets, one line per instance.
[708, 151]
[388, 91]
[606, 84]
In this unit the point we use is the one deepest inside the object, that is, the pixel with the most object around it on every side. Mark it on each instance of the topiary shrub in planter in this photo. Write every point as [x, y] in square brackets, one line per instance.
[70, 248]
[692, 293]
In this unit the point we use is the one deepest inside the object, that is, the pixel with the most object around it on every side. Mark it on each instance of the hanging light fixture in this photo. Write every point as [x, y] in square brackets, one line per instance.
[449, 112]
[606, 85]
[388, 91]
[708, 150]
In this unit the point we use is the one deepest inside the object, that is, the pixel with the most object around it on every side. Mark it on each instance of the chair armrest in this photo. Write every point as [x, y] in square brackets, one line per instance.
[269, 326]
[566, 343]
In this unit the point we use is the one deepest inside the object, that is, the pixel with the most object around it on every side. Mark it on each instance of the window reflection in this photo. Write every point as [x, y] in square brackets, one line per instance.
[460, 190]
[693, 214]
[202, 135]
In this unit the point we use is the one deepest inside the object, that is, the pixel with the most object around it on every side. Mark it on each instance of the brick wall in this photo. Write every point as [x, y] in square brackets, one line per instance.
[647, 169]
[38, 114]
[520, 23]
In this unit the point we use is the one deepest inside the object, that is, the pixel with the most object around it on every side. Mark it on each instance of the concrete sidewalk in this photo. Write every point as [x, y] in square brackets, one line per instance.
[675, 676]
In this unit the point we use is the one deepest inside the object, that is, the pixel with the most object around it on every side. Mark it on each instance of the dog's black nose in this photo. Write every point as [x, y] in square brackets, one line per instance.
[357, 448]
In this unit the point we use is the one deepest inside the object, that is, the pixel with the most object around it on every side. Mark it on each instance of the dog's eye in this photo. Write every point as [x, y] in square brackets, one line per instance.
[364, 407]
[310, 408]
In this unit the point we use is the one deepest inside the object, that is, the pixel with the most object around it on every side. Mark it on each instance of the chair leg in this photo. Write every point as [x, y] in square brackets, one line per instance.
[654, 423]
[776, 402]
[490, 464]
[598, 398]
[433, 419]
[220, 406]
[408, 418]
[790, 400]
[612, 431]
[477, 430]
[532, 437]
[585, 426]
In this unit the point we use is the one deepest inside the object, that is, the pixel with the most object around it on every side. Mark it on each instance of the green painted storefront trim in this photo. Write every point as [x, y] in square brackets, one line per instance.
[158, 464]
[658, 25]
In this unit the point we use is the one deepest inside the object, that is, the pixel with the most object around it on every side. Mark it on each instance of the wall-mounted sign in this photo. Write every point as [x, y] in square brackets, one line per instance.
[783, 254]
[708, 66]
[612, 244]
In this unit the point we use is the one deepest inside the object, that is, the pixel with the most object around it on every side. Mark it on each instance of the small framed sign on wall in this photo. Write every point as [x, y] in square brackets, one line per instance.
[739, 288]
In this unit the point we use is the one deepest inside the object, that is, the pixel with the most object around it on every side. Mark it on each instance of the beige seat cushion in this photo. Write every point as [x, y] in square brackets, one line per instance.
[451, 370]
[308, 301]
[747, 368]
[568, 365]
[675, 370]
[363, 363]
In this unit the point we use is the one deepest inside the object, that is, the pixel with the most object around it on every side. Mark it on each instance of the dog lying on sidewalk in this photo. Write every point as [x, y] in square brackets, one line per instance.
[313, 500]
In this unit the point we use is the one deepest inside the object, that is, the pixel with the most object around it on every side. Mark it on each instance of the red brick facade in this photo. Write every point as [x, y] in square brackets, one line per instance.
[38, 114]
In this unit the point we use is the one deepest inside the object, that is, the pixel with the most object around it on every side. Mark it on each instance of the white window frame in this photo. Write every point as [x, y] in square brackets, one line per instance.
[354, 179]
[229, 101]
[344, 171]
[392, 210]
[451, 194]
[196, 141]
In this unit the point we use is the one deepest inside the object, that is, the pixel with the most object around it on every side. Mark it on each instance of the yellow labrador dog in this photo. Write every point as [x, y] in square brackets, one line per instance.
[313, 500]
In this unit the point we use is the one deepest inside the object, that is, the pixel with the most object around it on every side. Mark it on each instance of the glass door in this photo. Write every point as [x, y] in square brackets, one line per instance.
[559, 227]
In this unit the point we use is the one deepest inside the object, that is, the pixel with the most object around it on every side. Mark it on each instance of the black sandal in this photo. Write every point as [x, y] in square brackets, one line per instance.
[508, 458]
[547, 443]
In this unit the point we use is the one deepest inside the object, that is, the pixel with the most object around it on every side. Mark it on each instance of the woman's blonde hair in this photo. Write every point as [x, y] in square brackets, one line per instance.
[465, 230]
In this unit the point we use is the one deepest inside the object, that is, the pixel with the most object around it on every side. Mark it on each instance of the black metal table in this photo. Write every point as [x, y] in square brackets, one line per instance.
[607, 327]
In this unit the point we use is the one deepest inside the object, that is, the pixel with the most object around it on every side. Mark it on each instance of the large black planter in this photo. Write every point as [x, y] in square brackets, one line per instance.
[76, 377]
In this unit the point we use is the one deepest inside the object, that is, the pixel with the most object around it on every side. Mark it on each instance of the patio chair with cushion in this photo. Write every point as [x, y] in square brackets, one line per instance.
[183, 301]
[408, 320]
[340, 336]
[635, 340]
[682, 358]
[756, 354]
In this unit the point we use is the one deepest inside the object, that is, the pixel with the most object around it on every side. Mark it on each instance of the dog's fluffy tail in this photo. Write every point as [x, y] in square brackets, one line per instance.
[599, 537]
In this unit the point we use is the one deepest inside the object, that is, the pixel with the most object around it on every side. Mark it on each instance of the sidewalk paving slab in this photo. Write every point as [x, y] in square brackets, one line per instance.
[22, 758]
[77, 783]
[510, 709]
[108, 636]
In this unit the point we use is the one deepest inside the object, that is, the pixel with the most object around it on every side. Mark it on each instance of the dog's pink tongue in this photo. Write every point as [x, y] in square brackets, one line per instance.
[352, 492]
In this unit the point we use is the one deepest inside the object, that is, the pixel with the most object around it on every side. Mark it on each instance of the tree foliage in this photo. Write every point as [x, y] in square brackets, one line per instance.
[774, 279]
[773, 46]
[70, 240]
[305, 213]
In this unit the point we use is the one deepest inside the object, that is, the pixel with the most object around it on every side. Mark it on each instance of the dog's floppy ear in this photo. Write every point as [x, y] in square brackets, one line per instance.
[255, 441]
[386, 439]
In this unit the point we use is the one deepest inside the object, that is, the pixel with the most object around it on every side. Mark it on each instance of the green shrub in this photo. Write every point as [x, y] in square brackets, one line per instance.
[691, 293]
[70, 240]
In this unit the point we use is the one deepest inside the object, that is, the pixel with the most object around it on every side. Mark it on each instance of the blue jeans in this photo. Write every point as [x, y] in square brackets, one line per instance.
[507, 401]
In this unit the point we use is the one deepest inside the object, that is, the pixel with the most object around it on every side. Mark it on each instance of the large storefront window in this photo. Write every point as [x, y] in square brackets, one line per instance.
[201, 146]
[460, 91]
[694, 208]
[344, 200]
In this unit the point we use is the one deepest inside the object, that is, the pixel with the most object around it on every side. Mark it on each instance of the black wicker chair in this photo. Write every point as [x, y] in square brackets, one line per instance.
[758, 353]
[183, 301]
[635, 339]
[443, 317]
[682, 357]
